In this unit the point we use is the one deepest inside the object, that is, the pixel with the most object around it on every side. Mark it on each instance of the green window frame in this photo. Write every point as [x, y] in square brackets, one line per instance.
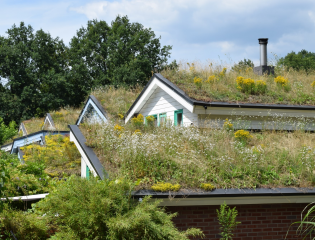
[87, 172]
[177, 118]
[161, 116]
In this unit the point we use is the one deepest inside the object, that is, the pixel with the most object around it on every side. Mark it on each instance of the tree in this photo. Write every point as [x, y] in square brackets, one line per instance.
[7, 132]
[37, 70]
[243, 65]
[303, 60]
[96, 209]
[123, 53]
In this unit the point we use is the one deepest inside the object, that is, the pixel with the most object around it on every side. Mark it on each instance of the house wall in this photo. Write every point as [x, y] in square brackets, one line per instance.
[257, 118]
[162, 102]
[258, 221]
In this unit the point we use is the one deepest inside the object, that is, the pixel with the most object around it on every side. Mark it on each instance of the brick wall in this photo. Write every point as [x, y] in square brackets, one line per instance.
[258, 221]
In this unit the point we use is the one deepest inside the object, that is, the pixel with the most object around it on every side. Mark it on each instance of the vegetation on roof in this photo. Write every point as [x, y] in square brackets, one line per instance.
[34, 125]
[116, 100]
[192, 156]
[218, 83]
[63, 118]
[57, 158]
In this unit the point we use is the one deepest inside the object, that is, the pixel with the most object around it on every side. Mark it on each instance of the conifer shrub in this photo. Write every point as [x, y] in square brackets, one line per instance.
[17, 224]
[96, 209]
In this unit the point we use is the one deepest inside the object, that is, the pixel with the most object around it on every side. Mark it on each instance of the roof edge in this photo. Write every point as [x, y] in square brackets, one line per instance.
[95, 162]
[189, 193]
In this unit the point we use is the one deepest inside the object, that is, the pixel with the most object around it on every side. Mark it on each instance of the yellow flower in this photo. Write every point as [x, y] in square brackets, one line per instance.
[198, 82]
[222, 73]
[120, 116]
[227, 125]
[281, 81]
[137, 131]
[138, 120]
[211, 79]
[118, 128]
[242, 135]
[313, 84]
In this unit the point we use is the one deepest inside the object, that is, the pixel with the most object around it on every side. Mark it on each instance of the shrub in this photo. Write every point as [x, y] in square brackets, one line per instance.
[226, 217]
[248, 85]
[242, 135]
[164, 187]
[150, 120]
[96, 209]
[282, 83]
[207, 186]
[261, 86]
[138, 121]
[211, 79]
[23, 225]
[7, 132]
[198, 82]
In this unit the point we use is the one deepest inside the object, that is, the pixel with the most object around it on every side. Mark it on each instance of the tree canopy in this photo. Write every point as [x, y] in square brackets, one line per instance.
[122, 53]
[302, 60]
[44, 74]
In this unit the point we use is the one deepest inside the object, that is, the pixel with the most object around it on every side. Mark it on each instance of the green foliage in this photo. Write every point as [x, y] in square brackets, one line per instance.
[307, 224]
[95, 209]
[227, 220]
[4, 176]
[165, 187]
[37, 70]
[23, 179]
[23, 225]
[122, 53]
[242, 65]
[7, 132]
[302, 60]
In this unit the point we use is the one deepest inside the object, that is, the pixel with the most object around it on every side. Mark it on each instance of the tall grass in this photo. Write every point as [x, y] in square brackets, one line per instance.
[116, 101]
[192, 156]
[222, 86]
[64, 117]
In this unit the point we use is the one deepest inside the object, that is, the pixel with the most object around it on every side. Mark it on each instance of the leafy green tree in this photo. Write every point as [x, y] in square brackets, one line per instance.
[95, 209]
[37, 71]
[7, 132]
[123, 53]
[243, 65]
[302, 60]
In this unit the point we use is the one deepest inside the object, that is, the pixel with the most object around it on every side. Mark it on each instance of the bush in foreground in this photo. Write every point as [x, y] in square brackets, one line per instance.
[95, 209]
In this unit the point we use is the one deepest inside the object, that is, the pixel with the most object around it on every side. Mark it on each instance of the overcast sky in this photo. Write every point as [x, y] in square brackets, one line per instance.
[198, 30]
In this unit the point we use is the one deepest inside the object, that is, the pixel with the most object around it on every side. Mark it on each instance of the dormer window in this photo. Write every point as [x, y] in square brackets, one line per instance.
[178, 117]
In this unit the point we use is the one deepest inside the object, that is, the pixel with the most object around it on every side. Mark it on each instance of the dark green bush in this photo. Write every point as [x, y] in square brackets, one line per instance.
[95, 209]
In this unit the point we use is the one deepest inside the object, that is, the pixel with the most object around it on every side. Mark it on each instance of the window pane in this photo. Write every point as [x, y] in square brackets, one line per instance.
[179, 119]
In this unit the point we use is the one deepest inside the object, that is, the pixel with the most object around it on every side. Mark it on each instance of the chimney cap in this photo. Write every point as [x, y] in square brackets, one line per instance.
[263, 40]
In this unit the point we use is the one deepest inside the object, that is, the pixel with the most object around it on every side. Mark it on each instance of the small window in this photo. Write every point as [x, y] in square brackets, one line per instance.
[162, 119]
[178, 117]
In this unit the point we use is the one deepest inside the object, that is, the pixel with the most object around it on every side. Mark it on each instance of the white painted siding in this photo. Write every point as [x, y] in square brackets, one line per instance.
[84, 158]
[162, 102]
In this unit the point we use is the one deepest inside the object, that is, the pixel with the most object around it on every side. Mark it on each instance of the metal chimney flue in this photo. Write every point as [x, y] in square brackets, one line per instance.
[263, 51]
[263, 68]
